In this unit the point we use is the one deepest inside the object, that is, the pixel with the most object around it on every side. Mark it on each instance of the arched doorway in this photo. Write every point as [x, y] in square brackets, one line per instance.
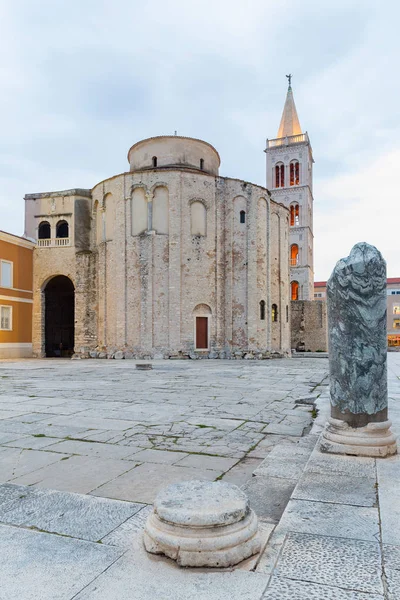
[59, 296]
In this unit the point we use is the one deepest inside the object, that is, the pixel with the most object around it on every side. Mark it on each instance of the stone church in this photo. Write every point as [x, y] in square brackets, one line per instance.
[170, 259]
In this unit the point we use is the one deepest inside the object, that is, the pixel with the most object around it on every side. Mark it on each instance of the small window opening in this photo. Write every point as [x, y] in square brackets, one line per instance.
[262, 310]
[274, 313]
[62, 229]
[154, 159]
[294, 290]
[294, 173]
[44, 231]
[280, 176]
[294, 215]
[242, 216]
[287, 313]
[294, 255]
[202, 164]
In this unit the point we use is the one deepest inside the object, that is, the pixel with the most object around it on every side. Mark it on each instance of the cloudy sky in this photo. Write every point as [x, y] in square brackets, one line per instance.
[83, 80]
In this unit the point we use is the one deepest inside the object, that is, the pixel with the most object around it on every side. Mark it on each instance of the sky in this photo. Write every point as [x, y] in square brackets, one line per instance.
[83, 80]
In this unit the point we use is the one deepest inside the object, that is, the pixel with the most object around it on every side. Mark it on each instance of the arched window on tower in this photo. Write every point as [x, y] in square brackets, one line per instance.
[154, 161]
[280, 175]
[44, 232]
[294, 215]
[62, 229]
[294, 172]
[202, 164]
[262, 310]
[294, 255]
[294, 290]
[242, 216]
[274, 313]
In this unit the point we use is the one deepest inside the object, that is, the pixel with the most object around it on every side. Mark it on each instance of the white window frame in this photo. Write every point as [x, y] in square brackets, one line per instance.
[11, 317]
[8, 262]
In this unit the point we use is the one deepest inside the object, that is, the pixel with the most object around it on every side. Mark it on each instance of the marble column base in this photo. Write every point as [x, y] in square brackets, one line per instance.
[374, 440]
[222, 546]
[202, 524]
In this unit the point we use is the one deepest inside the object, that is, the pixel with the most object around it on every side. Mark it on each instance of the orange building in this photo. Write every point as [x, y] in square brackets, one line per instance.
[16, 296]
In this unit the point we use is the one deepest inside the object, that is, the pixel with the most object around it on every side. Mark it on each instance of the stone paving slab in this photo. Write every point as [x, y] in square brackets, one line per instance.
[143, 483]
[48, 567]
[74, 515]
[345, 563]
[15, 463]
[287, 589]
[144, 577]
[269, 496]
[80, 474]
[352, 522]
[337, 489]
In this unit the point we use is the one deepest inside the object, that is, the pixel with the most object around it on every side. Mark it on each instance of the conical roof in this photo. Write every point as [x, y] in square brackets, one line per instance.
[290, 124]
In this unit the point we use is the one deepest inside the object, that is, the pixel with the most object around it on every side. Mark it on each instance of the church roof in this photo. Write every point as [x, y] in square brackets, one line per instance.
[290, 124]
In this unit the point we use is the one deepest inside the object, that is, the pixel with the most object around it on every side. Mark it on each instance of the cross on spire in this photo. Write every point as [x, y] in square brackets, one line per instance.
[289, 79]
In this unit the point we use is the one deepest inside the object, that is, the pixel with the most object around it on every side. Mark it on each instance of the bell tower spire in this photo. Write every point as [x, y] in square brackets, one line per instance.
[290, 180]
[290, 124]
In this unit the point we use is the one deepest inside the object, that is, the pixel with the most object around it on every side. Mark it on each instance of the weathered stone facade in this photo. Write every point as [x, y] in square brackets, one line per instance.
[309, 326]
[165, 255]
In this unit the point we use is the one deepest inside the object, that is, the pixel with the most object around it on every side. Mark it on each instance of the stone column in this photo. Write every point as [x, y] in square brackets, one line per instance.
[356, 293]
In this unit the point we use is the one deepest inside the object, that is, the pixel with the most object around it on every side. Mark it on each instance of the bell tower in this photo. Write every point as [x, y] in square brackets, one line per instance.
[290, 181]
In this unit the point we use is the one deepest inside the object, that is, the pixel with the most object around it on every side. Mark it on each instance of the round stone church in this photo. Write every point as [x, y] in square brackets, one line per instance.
[168, 259]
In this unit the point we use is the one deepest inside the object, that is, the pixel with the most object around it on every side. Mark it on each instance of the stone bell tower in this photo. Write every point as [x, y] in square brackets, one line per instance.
[290, 180]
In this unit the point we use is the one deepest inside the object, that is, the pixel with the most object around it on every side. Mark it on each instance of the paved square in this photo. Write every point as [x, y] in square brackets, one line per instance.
[104, 428]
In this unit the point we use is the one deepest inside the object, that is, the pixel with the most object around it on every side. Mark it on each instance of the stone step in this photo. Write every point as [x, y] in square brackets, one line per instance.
[273, 481]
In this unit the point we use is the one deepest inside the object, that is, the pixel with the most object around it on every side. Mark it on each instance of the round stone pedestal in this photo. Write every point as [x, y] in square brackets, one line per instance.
[202, 524]
[374, 440]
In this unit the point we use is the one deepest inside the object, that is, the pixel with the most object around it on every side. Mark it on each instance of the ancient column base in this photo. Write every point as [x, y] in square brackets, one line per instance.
[375, 439]
[202, 524]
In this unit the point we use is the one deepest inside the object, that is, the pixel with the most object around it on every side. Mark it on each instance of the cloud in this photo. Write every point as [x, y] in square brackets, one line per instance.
[361, 206]
[81, 82]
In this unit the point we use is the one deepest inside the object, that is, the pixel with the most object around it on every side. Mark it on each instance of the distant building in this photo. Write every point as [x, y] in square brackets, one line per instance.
[393, 307]
[16, 296]
[393, 311]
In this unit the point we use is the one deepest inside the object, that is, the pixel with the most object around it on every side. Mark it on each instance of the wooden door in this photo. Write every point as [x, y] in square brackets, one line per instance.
[202, 333]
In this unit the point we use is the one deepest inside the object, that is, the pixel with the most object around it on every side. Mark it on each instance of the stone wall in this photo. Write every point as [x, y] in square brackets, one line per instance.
[309, 326]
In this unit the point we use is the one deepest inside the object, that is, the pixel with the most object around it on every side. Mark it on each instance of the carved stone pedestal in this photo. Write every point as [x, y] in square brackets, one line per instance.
[202, 524]
[374, 440]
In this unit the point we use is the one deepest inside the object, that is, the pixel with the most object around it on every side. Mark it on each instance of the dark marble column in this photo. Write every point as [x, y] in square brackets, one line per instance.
[356, 294]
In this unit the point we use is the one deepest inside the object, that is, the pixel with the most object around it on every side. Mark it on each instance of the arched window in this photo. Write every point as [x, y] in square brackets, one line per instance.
[242, 216]
[262, 310]
[294, 173]
[294, 255]
[280, 175]
[62, 229]
[274, 313]
[161, 210]
[198, 218]
[44, 231]
[154, 160]
[202, 163]
[294, 215]
[294, 290]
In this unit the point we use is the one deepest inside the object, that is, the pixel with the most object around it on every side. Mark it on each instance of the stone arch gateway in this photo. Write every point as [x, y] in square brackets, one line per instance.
[59, 318]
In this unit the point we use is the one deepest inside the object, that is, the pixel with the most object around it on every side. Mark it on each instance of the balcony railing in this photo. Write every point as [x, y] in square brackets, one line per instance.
[53, 242]
[288, 140]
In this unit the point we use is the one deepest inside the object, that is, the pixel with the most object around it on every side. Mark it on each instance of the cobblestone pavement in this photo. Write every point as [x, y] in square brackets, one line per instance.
[105, 428]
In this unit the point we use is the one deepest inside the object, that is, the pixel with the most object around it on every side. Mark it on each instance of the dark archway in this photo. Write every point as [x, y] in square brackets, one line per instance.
[59, 295]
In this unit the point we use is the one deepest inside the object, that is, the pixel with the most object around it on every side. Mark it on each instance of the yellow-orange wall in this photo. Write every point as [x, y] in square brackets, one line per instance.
[19, 296]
